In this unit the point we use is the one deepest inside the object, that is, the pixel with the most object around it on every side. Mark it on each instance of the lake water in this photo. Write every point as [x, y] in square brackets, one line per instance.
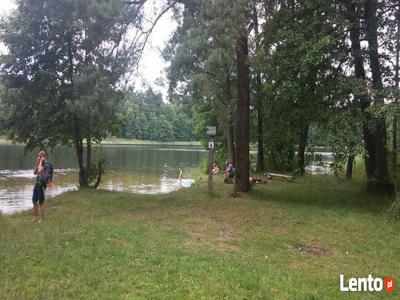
[143, 169]
[138, 168]
[322, 167]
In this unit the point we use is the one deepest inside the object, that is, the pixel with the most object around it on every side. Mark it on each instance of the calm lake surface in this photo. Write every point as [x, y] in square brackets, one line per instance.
[144, 169]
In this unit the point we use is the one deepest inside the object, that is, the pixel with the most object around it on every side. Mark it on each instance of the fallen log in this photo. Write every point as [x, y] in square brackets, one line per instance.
[272, 175]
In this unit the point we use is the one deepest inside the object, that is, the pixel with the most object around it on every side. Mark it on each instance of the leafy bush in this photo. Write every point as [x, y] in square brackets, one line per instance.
[394, 210]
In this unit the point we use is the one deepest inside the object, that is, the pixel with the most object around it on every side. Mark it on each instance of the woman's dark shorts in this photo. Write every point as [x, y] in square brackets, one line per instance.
[38, 194]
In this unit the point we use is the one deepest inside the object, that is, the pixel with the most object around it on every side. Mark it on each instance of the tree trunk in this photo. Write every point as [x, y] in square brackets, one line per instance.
[83, 178]
[379, 178]
[394, 146]
[83, 182]
[260, 139]
[100, 168]
[210, 168]
[290, 159]
[303, 134]
[396, 80]
[374, 130]
[242, 115]
[258, 88]
[88, 157]
[273, 160]
[349, 168]
[360, 74]
[230, 141]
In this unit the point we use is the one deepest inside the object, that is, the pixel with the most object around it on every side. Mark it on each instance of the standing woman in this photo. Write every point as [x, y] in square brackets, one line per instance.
[38, 190]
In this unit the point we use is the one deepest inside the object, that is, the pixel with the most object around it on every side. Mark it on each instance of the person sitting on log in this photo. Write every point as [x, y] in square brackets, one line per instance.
[229, 172]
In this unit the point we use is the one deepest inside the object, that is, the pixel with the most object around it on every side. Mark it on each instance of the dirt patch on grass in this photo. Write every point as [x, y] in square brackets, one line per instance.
[121, 242]
[219, 224]
[210, 234]
[315, 251]
[223, 241]
[279, 229]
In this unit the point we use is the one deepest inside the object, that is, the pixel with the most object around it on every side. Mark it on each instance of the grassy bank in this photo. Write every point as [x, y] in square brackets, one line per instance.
[282, 241]
[4, 141]
[119, 141]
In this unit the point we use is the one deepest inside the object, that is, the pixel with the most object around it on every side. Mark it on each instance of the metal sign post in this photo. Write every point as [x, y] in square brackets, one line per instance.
[211, 132]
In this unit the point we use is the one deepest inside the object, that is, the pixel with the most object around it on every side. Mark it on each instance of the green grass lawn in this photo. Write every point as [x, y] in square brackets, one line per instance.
[281, 241]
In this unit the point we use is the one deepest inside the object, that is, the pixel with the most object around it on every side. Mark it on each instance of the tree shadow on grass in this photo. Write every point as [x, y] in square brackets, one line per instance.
[324, 192]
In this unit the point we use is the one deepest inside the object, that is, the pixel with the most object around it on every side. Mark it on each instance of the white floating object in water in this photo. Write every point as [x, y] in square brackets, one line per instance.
[187, 182]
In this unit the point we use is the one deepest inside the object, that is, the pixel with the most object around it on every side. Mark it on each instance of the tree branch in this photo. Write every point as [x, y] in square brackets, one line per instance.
[148, 32]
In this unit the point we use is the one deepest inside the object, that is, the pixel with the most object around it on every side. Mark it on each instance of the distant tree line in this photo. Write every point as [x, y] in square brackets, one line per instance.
[144, 116]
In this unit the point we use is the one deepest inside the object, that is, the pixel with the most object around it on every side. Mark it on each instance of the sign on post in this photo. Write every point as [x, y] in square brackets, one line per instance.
[211, 130]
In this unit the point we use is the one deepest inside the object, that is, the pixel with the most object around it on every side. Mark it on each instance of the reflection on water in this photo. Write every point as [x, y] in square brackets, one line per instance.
[322, 167]
[140, 183]
[138, 169]
[319, 169]
[16, 188]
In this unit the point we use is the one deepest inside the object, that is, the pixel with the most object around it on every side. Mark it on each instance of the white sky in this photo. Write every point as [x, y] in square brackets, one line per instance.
[152, 65]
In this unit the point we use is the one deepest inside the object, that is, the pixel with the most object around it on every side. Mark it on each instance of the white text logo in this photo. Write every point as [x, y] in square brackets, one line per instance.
[369, 284]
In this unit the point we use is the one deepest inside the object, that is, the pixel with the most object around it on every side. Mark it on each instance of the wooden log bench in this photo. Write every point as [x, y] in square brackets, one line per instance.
[275, 175]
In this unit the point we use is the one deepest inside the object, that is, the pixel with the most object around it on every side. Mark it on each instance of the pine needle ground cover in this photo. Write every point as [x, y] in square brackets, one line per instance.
[281, 241]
